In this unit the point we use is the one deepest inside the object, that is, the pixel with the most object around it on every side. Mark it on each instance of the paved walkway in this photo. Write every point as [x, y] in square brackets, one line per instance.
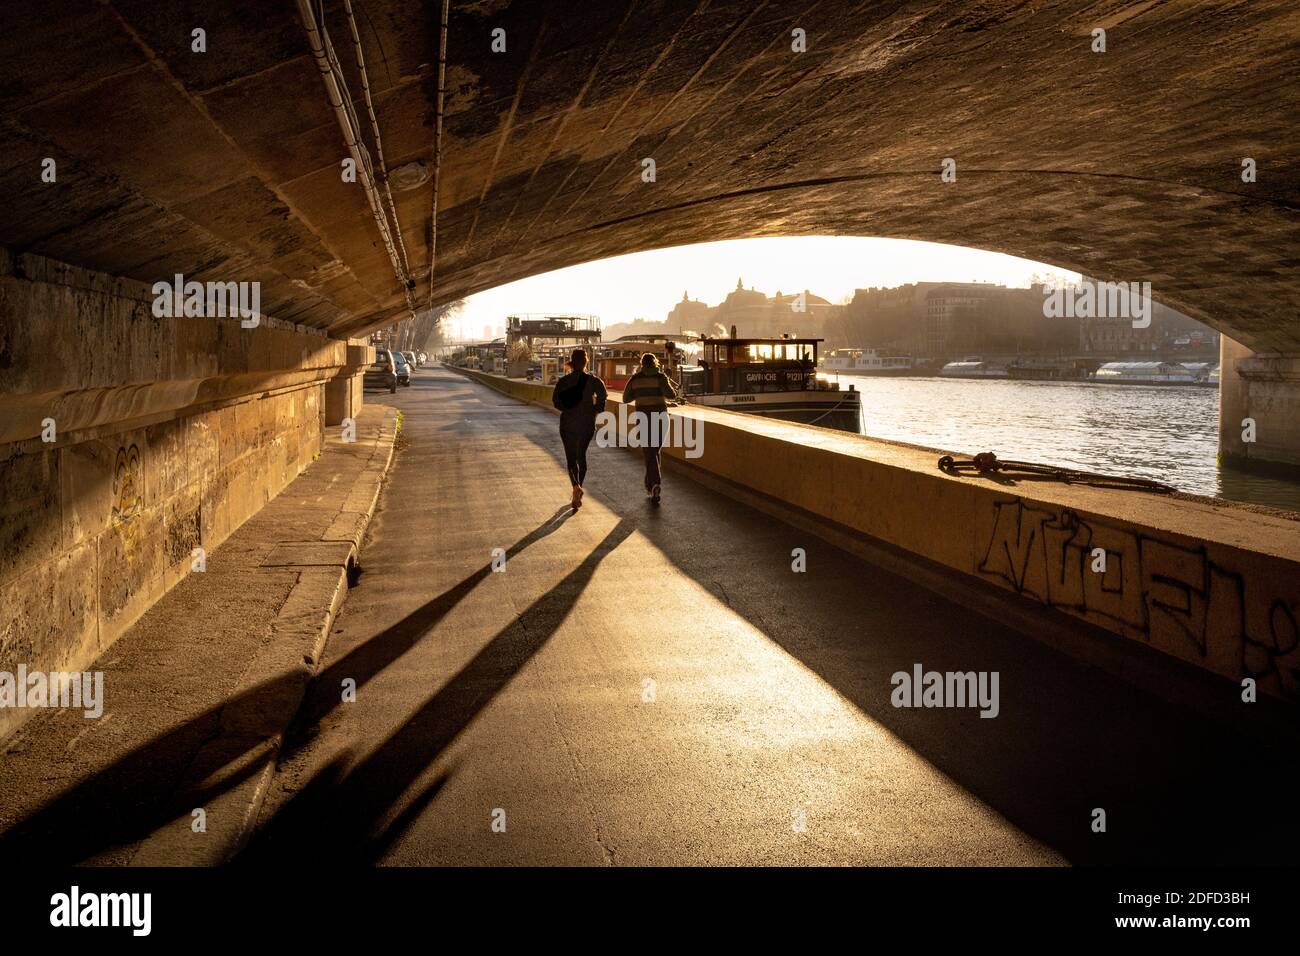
[643, 686]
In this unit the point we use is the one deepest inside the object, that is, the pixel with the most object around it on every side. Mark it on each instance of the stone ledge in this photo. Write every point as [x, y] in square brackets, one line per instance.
[1270, 368]
[349, 526]
[308, 554]
[118, 363]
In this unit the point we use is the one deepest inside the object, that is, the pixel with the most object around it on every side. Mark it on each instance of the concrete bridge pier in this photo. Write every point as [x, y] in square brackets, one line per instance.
[1263, 388]
[343, 393]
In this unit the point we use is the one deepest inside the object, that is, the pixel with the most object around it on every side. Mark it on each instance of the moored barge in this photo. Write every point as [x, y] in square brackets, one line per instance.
[772, 377]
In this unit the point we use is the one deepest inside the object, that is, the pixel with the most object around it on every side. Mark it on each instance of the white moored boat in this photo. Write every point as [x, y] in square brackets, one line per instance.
[840, 360]
[867, 362]
[1145, 373]
[973, 368]
[1204, 373]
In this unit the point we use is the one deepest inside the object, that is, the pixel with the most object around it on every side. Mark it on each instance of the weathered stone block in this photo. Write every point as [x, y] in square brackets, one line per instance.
[29, 512]
[231, 443]
[165, 442]
[87, 473]
[49, 619]
[130, 571]
[214, 512]
[201, 444]
[183, 532]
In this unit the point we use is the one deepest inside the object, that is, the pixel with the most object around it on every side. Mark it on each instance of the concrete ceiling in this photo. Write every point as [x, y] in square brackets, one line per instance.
[226, 164]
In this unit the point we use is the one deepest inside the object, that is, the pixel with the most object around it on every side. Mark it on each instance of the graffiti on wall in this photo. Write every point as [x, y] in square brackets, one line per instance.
[1173, 596]
[128, 493]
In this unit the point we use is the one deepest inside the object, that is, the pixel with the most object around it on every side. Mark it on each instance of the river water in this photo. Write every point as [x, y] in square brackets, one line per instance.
[1168, 433]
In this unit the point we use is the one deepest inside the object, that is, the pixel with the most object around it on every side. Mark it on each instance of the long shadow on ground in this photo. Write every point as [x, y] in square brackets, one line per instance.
[348, 802]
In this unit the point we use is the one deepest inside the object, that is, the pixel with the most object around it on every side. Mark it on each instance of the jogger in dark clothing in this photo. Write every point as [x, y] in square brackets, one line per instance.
[580, 398]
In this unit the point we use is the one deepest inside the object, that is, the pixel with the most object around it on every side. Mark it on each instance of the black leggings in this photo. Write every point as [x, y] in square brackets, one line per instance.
[575, 453]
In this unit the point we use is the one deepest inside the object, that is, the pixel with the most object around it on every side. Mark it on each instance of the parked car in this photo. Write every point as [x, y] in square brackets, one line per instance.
[403, 368]
[382, 372]
[412, 360]
[423, 357]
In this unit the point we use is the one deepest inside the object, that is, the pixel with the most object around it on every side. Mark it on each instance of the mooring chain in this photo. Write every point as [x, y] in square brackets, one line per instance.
[987, 464]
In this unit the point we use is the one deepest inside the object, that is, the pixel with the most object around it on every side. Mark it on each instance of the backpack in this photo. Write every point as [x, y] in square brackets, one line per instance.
[571, 396]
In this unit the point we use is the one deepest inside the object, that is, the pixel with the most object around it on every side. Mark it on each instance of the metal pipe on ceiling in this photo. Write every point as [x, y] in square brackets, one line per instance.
[374, 126]
[437, 142]
[336, 89]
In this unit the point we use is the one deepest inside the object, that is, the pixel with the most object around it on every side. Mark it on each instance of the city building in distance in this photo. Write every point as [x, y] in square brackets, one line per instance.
[937, 321]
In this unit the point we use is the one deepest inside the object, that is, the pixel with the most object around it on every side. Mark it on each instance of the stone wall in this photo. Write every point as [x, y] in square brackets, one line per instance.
[167, 434]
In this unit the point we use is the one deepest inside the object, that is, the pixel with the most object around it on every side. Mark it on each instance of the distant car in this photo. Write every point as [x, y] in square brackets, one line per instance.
[412, 360]
[382, 372]
[403, 368]
[423, 357]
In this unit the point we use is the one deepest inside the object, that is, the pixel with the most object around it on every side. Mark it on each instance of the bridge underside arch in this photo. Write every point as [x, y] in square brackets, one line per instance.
[761, 119]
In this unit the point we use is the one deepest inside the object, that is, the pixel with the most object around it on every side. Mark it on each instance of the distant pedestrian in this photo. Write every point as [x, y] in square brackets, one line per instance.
[580, 398]
[649, 391]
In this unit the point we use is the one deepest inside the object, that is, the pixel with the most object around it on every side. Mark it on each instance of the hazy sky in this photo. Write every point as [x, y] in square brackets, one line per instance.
[648, 284]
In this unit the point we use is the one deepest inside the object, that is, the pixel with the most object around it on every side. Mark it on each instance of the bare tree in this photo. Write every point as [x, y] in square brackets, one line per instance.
[429, 329]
